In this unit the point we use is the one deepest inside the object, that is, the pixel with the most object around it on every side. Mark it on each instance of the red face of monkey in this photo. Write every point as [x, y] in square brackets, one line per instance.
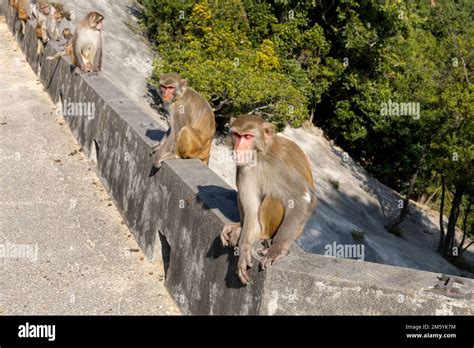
[172, 87]
[244, 147]
[167, 92]
[250, 139]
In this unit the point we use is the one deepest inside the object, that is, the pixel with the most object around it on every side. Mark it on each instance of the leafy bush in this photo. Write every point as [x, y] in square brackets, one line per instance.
[336, 63]
[216, 52]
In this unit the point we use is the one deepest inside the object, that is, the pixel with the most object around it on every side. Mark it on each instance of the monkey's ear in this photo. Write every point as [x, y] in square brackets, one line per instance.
[268, 129]
[232, 120]
[184, 83]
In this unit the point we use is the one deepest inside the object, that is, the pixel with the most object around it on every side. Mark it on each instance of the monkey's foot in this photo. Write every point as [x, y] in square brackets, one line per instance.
[245, 262]
[157, 164]
[154, 149]
[272, 254]
[230, 235]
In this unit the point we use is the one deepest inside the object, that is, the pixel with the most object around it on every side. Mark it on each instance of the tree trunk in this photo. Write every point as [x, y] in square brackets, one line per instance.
[441, 214]
[311, 115]
[464, 226]
[453, 217]
[431, 197]
[467, 246]
[406, 202]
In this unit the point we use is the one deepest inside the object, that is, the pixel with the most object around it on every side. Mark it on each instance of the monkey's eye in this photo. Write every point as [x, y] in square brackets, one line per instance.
[249, 136]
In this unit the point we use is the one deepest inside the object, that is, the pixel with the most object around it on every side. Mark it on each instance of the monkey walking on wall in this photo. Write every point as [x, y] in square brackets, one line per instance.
[276, 194]
[192, 122]
[87, 43]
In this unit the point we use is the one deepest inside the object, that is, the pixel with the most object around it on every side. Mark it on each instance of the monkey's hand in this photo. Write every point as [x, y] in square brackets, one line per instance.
[230, 235]
[245, 262]
[272, 254]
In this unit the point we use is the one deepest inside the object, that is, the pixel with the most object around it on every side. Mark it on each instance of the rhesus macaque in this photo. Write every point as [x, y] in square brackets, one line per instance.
[276, 195]
[67, 51]
[42, 11]
[24, 11]
[52, 24]
[192, 123]
[87, 43]
[67, 34]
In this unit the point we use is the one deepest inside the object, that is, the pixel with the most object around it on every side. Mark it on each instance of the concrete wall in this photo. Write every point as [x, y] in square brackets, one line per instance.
[179, 213]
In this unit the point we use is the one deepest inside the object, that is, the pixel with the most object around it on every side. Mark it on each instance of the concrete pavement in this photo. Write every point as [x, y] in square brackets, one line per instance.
[63, 246]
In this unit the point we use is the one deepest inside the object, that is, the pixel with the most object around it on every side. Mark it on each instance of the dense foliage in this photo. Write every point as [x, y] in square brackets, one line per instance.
[389, 81]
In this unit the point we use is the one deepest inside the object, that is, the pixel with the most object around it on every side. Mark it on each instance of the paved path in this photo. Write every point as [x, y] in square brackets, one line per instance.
[63, 246]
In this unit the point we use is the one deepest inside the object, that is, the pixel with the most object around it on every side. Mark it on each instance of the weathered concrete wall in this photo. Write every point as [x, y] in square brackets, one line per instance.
[178, 214]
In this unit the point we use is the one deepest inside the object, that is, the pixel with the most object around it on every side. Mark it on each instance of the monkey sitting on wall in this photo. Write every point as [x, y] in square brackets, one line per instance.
[42, 11]
[276, 194]
[52, 24]
[67, 51]
[192, 123]
[24, 12]
[87, 43]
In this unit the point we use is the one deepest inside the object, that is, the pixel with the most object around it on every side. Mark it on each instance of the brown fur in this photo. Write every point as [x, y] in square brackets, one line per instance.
[192, 124]
[270, 217]
[43, 12]
[276, 196]
[87, 43]
[23, 10]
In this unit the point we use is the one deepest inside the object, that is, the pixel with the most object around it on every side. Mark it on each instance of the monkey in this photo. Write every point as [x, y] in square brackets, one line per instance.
[67, 34]
[192, 122]
[67, 51]
[14, 5]
[276, 196]
[42, 11]
[24, 12]
[87, 43]
[52, 24]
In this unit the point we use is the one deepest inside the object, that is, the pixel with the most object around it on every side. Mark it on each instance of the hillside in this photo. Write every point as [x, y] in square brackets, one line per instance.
[359, 204]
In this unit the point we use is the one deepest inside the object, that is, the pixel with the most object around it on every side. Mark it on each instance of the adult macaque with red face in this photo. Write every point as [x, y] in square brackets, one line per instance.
[276, 195]
[191, 119]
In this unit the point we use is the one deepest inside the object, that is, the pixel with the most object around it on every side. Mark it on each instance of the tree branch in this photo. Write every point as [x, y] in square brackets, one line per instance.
[258, 109]
[467, 246]
[441, 214]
